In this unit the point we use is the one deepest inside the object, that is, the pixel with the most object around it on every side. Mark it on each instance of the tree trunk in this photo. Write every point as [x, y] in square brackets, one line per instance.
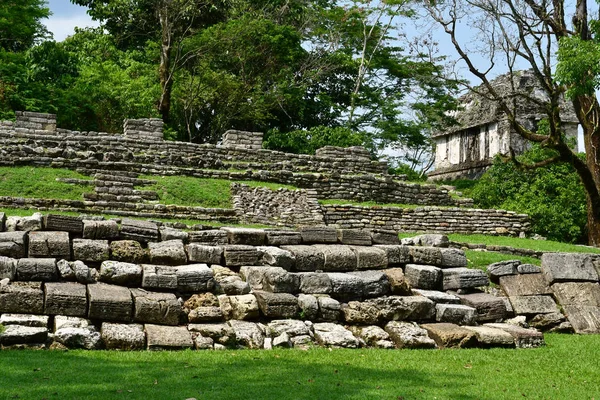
[164, 70]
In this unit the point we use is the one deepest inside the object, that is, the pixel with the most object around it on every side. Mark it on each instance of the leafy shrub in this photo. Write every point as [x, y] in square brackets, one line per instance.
[308, 141]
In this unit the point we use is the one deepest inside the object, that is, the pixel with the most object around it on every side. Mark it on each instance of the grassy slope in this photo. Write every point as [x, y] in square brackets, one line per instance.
[566, 369]
[38, 182]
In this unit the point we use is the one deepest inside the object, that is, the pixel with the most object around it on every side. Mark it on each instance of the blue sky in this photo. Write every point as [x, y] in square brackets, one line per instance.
[65, 17]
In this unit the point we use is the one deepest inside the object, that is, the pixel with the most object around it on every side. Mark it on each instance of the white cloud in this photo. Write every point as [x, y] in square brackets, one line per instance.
[62, 27]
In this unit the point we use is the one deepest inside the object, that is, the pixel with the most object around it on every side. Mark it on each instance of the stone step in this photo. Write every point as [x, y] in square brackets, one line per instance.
[113, 197]
[108, 177]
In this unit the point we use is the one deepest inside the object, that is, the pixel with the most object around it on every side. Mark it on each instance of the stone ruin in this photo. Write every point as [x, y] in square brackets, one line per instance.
[467, 150]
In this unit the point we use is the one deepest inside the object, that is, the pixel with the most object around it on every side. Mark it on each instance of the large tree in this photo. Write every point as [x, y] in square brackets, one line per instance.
[559, 42]
[21, 23]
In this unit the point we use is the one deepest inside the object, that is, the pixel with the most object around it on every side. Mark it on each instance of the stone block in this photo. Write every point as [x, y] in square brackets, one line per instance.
[2, 221]
[404, 308]
[491, 337]
[130, 251]
[44, 244]
[142, 231]
[398, 284]
[12, 244]
[156, 308]
[383, 236]
[248, 334]
[87, 338]
[213, 237]
[524, 285]
[242, 307]
[584, 319]
[529, 269]
[318, 234]
[425, 255]
[167, 234]
[463, 278]
[100, 229]
[502, 268]
[90, 250]
[329, 309]
[17, 334]
[447, 335]
[282, 238]
[21, 297]
[37, 269]
[455, 313]
[357, 237]
[109, 302]
[333, 335]
[550, 322]
[408, 335]
[489, 307]
[375, 283]
[561, 267]
[123, 336]
[170, 252]
[431, 240]
[314, 283]
[453, 258]
[531, 305]
[159, 277]
[65, 298]
[437, 296]
[202, 253]
[373, 336]
[194, 278]
[27, 224]
[66, 223]
[346, 287]
[292, 327]
[357, 313]
[247, 236]
[221, 333]
[577, 293]
[523, 338]
[397, 255]
[228, 282]
[63, 321]
[309, 307]
[308, 258]
[121, 273]
[39, 321]
[206, 314]
[271, 279]
[76, 271]
[8, 268]
[203, 343]
[276, 257]
[423, 276]
[337, 257]
[159, 337]
[238, 255]
[370, 257]
[277, 305]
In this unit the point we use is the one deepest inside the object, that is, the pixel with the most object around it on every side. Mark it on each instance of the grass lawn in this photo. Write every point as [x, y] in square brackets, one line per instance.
[39, 182]
[481, 259]
[567, 368]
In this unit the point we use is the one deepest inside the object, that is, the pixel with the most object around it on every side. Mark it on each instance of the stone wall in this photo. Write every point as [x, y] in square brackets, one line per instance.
[35, 121]
[67, 282]
[151, 128]
[233, 139]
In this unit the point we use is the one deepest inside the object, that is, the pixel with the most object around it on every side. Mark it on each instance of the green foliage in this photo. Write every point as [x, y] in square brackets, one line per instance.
[411, 174]
[553, 196]
[309, 140]
[578, 65]
[21, 25]
[38, 182]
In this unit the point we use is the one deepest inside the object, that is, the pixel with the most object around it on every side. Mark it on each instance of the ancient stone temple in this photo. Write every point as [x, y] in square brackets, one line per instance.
[467, 150]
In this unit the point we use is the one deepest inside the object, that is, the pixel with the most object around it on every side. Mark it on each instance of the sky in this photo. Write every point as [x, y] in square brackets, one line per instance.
[65, 17]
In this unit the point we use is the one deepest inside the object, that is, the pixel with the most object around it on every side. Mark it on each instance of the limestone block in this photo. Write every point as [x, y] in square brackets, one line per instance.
[308, 258]
[584, 319]
[123, 336]
[156, 308]
[373, 336]
[463, 278]
[455, 313]
[398, 283]
[87, 338]
[213, 237]
[206, 314]
[65, 298]
[228, 282]
[39, 321]
[447, 335]
[142, 231]
[90, 250]
[397, 255]
[194, 278]
[66, 223]
[27, 224]
[242, 307]
[314, 283]
[202, 253]
[276, 257]
[200, 300]
[491, 337]
[545, 322]
[329, 309]
[277, 305]
[489, 307]
[528, 269]
[523, 338]
[561, 267]
[248, 334]
[375, 283]
[63, 321]
[291, 327]
[529, 305]
[431, 240]
[423, 276]
[161, 337]
[318, 234]
[358, 237]
[370, 257]
[333, 335]
[502, 268]
[17, 334]
[408, 335]
[282, 341]
[12, 244]
[170, 252]
[383, 236]
[237, 255]
[524, 285]
[309, 307]
[159, 277]
[404, 308]
[221, 333]
[128, 251]
[577, 293]
[100, 229]
[21, 297]
[203, 343]
[8, 268]
[271, 279]
[109, 302]
[172, 234]
[282, 238]
[121, 273]
[437, 296]
[337, 257]
[453, 258]
[357, 313]
[425, 255]
[346, 287]
[247, 236]
[37, 269]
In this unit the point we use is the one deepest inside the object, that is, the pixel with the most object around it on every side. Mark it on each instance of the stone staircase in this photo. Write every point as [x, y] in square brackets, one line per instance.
[120, 186]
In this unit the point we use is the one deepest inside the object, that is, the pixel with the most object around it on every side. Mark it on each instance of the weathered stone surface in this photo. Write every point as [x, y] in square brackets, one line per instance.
[314, 283]
[123, 336]
[282, 341]
[455, 313]
[67, 223]
[248, 334]
[27, 224]
[529, 305]
[451, 335]
[17, 334]
[161, 337]
[90, 250]
[241, 307]
[431, 240]
[425, 255]
[87, 338]
[408, 335]
[156, 308]
[528, 269]
[333, 335]
[577, 293]
[397, 255]
[37, 269]
[346, 287]
[159, 277]
[491, 337]
[357, 237]
[375, 283]
[502, 268]
[404, 308]
[100, 229]
[128, 251]
[63, 321]
[584, 319]
[12, 244]
[21, 297]
[252, 237]
[271, 279]
[337, 257]
[109, 302]
[276, 257]
[206, 314]
[194, 278]
[39, 321]
[292, 327]
[398, 283]
[545, 322]
[238, 255]
[524, 285]
[561, 267]
[318, 234]
[221, 333]
[204, 253]
[309, 307]
[8, 268]
[437, 296]
[277, 305]
[523, 338]
[121, 273]
[142, 231]
[329, 309]
[373, 336]
[2, 222]
[213, 237]
[49, 244]
[308, 258]
[357, 313]
[65, 298]
[172, 234]
[489, 307]
[200, 300]
[370, 257]
[453, 258]
[384, 236]
[423, 276]
[463, 278]
[228, 282]
[170, 252]
[203, 343]
[282, 238]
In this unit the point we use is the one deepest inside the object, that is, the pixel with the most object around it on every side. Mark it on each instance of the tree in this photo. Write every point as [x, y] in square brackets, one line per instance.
[564, 58]
[20, 23]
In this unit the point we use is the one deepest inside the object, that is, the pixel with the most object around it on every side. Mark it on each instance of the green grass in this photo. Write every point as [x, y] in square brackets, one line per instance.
[537, 245]
[481, 259]
[567, 368]
[39, 182]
